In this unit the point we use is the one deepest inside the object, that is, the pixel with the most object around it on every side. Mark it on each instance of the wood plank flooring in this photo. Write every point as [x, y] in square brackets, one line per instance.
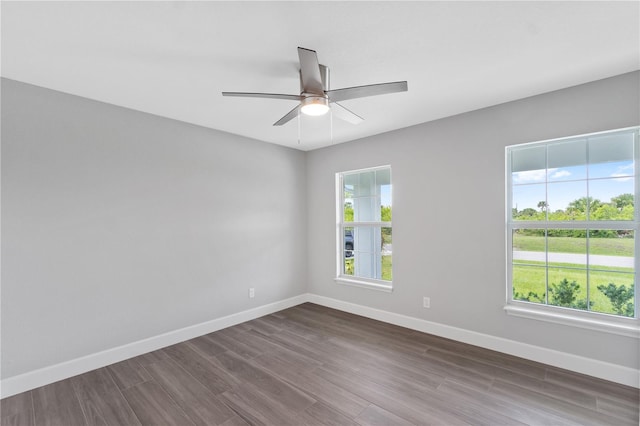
[311, 365]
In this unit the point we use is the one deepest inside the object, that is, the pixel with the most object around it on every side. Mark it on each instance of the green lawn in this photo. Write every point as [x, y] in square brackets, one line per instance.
[532, 278]
[386, 267]
[605, 246]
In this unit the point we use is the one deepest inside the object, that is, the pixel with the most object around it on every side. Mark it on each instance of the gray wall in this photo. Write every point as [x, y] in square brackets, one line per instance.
[442, 171]
[119, 225]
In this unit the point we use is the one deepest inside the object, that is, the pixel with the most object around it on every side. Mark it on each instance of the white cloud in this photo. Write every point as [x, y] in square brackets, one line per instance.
[624, 171]
[560, 174]
[532, 176]
[621, 179]
[529, 176]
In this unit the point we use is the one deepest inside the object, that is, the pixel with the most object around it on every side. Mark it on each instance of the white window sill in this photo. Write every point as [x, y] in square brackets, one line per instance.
[385, 286]
[628, 327]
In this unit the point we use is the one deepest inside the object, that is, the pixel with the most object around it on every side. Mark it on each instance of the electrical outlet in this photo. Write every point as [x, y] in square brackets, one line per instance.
[426, 302]
[252, 293]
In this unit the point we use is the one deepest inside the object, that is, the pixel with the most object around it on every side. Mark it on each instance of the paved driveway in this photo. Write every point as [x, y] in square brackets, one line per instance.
[580, 259]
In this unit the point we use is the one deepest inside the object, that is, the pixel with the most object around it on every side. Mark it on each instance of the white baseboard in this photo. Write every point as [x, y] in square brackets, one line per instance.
[603, 370]
[44, 376]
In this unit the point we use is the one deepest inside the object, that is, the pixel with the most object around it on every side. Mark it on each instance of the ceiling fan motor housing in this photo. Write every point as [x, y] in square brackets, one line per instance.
[314, 105]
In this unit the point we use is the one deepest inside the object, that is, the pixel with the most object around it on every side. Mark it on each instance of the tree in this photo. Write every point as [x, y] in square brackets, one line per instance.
[621, 298]
[542, 205]
[581, 204]
[528, 213]
[565, 294]
[385, 213]
[348, 212]
[622, 200]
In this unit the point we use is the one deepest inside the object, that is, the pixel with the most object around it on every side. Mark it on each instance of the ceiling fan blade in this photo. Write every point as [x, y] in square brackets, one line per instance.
[364, 91]
[288, 117]
[310, 77]
[345, 114]
[263, 95]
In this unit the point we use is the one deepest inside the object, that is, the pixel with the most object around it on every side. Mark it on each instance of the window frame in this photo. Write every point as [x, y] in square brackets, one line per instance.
[341, 277]
[593, 320]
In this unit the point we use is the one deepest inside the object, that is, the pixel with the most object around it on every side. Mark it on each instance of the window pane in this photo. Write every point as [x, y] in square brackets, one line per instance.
[567, 200]
[612, 292]
[610, 155]
[615, 196]
[348, 210]
[567, 247]
[528, 164]
[529, 247]
[567, 161]
[568, 288]
[528, 202]
[348, 251]
[529, 283]
[612, 248]
[371, 252]
[368, 251]
[366, 184]
[383, 177]
[387, 253]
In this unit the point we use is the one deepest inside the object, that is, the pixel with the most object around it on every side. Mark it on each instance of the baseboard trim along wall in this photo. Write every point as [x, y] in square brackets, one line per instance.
[603, 370]
[44, 376]
[33, 379]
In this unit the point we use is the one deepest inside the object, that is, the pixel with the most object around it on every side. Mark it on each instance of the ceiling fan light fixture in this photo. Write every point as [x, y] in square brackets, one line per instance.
[315, 106]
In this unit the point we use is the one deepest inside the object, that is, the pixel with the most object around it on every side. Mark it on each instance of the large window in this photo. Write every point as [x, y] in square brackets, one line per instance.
[364, 227]
[572, 228]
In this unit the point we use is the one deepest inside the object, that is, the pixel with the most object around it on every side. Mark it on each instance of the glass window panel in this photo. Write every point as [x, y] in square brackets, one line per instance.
[568, 198]
[365, 209]
[567, 160]
[610, 292]
[612, 248]
[568, 288]
[387, 240]
[526, 202]
[611, 148]
[347, 211]
[529, 283]
[529, 247]
[366, 184]
[364, 239]
[350, 181]
[348, 265]
[567, 247]
[611, 169]
[615, 196]
[529, 159]
[348, 240]
[567, 173]
[387, 253]
[383, 177]
[365, 265]
[348, 251]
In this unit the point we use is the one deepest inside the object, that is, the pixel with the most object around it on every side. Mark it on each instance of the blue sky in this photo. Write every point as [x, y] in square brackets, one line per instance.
[560, 186]
[385, 195]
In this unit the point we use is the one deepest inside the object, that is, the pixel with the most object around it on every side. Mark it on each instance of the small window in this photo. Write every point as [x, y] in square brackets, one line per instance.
[572, 227]
[364, 227]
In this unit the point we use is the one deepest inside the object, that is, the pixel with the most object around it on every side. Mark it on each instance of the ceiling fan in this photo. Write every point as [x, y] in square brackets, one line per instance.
[315, 97]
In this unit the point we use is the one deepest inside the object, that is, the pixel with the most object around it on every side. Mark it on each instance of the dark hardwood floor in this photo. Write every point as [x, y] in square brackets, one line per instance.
[311, 365]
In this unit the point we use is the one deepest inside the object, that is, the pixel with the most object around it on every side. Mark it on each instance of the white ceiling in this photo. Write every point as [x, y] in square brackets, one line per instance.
[174, 58]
